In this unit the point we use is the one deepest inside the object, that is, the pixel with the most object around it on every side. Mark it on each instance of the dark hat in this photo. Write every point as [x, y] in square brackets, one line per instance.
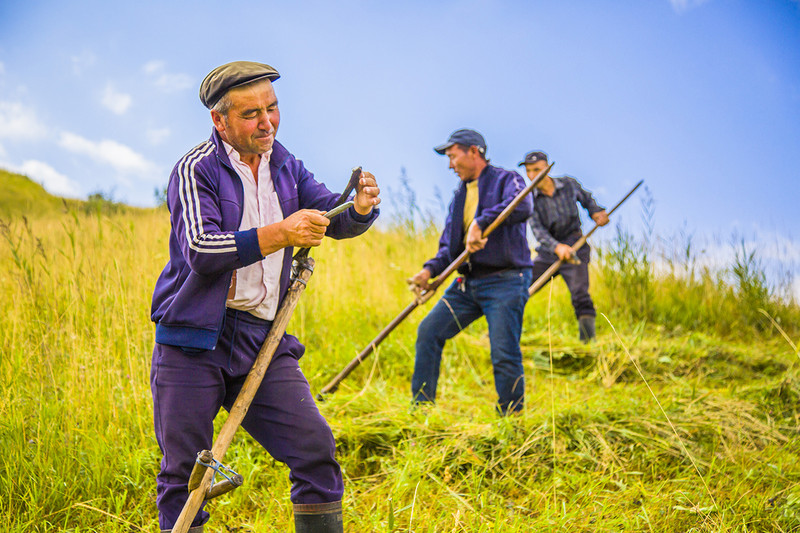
[533, 157]
[466, 137]
[231, 75]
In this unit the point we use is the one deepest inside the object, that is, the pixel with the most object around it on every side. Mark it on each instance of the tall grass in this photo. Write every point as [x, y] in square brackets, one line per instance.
[591, 452]
[665, 285]
[726, 301]
[74, 377]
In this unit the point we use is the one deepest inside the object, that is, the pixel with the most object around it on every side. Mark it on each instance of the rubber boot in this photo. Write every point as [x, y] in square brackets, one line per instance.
[318, 517]
[586, 328]
[195, 529]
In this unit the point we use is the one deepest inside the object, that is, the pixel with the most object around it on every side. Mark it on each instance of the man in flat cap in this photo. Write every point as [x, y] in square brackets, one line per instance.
[494, 282]
[239, 203]
[556, 225]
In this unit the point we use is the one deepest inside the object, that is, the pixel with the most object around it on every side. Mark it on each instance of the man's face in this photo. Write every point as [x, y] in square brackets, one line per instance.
[465, 163]
[252, 121]
[533, 169]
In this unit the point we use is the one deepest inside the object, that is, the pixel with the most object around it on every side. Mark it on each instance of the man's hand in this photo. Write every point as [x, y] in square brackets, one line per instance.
[305, 228]
[367, 192]
[302, 229]
[419, 281]
[601, 218]
[563, 251]
[475, 239]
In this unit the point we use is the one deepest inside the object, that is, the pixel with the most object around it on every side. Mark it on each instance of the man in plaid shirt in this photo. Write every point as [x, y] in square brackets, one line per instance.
[556, 225]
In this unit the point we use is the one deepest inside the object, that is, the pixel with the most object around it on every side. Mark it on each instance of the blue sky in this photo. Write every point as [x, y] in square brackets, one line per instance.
[699, 98]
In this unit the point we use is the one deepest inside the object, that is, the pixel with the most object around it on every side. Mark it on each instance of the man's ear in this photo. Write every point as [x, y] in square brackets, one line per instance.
[219, 120]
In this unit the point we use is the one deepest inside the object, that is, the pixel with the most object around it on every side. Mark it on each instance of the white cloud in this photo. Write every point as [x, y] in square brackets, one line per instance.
[52, 180]
[153, 67]
[772, 251]
[3, 152]
[116, 101]
[19, 122]
[682, 6]
[120, 157]
[157, 135]
[166, 81]
[82, 62]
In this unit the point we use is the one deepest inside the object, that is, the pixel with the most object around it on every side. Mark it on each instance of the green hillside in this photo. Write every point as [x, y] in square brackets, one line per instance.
[19, 195]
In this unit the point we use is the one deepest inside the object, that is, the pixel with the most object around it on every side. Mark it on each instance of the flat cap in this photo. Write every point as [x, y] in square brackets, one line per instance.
[466, 137]
[231, 75]
[533, 157]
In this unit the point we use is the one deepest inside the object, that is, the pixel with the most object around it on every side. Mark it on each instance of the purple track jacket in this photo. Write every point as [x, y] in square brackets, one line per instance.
[205, 200]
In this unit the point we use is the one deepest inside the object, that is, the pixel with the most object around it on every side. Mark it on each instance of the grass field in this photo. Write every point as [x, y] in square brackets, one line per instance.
[594, 450]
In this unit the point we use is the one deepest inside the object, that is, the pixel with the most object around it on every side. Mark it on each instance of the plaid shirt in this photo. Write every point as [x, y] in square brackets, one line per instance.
[556, 217]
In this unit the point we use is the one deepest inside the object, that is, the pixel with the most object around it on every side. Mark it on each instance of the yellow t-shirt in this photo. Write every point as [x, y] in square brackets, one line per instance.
[470, 205]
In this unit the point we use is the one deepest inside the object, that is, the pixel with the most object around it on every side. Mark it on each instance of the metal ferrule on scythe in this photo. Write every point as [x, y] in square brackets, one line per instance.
[205, 459]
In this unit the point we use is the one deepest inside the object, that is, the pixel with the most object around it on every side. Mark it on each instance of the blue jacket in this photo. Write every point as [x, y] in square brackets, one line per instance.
[507, 246]
[205, 198]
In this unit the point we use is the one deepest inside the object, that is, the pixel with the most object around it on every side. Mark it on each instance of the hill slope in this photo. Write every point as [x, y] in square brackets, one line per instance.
[19, 195]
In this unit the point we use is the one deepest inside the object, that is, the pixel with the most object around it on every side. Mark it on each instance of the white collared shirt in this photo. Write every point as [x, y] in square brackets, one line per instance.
[256, 287]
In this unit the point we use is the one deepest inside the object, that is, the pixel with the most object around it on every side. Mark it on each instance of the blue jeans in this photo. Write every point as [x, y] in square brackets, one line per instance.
[501, 297]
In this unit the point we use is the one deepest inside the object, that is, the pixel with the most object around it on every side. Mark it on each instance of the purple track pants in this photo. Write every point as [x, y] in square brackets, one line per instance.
[189, 389]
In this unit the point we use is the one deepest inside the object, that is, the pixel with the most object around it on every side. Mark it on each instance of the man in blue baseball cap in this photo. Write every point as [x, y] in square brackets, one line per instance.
[556, 225]
[493, 283]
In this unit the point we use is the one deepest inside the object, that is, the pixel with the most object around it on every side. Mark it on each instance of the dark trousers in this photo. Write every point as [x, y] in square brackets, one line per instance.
[575, 276]
[501, 297]
[189, 389]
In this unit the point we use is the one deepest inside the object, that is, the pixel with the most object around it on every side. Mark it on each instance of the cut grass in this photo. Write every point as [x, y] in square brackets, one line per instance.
[591, 452]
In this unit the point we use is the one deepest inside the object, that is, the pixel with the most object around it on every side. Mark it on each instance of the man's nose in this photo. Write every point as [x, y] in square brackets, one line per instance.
[265, 124]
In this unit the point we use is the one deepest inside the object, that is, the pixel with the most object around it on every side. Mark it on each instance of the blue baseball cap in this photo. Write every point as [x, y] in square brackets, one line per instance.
[466, 137]
[533, 157]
